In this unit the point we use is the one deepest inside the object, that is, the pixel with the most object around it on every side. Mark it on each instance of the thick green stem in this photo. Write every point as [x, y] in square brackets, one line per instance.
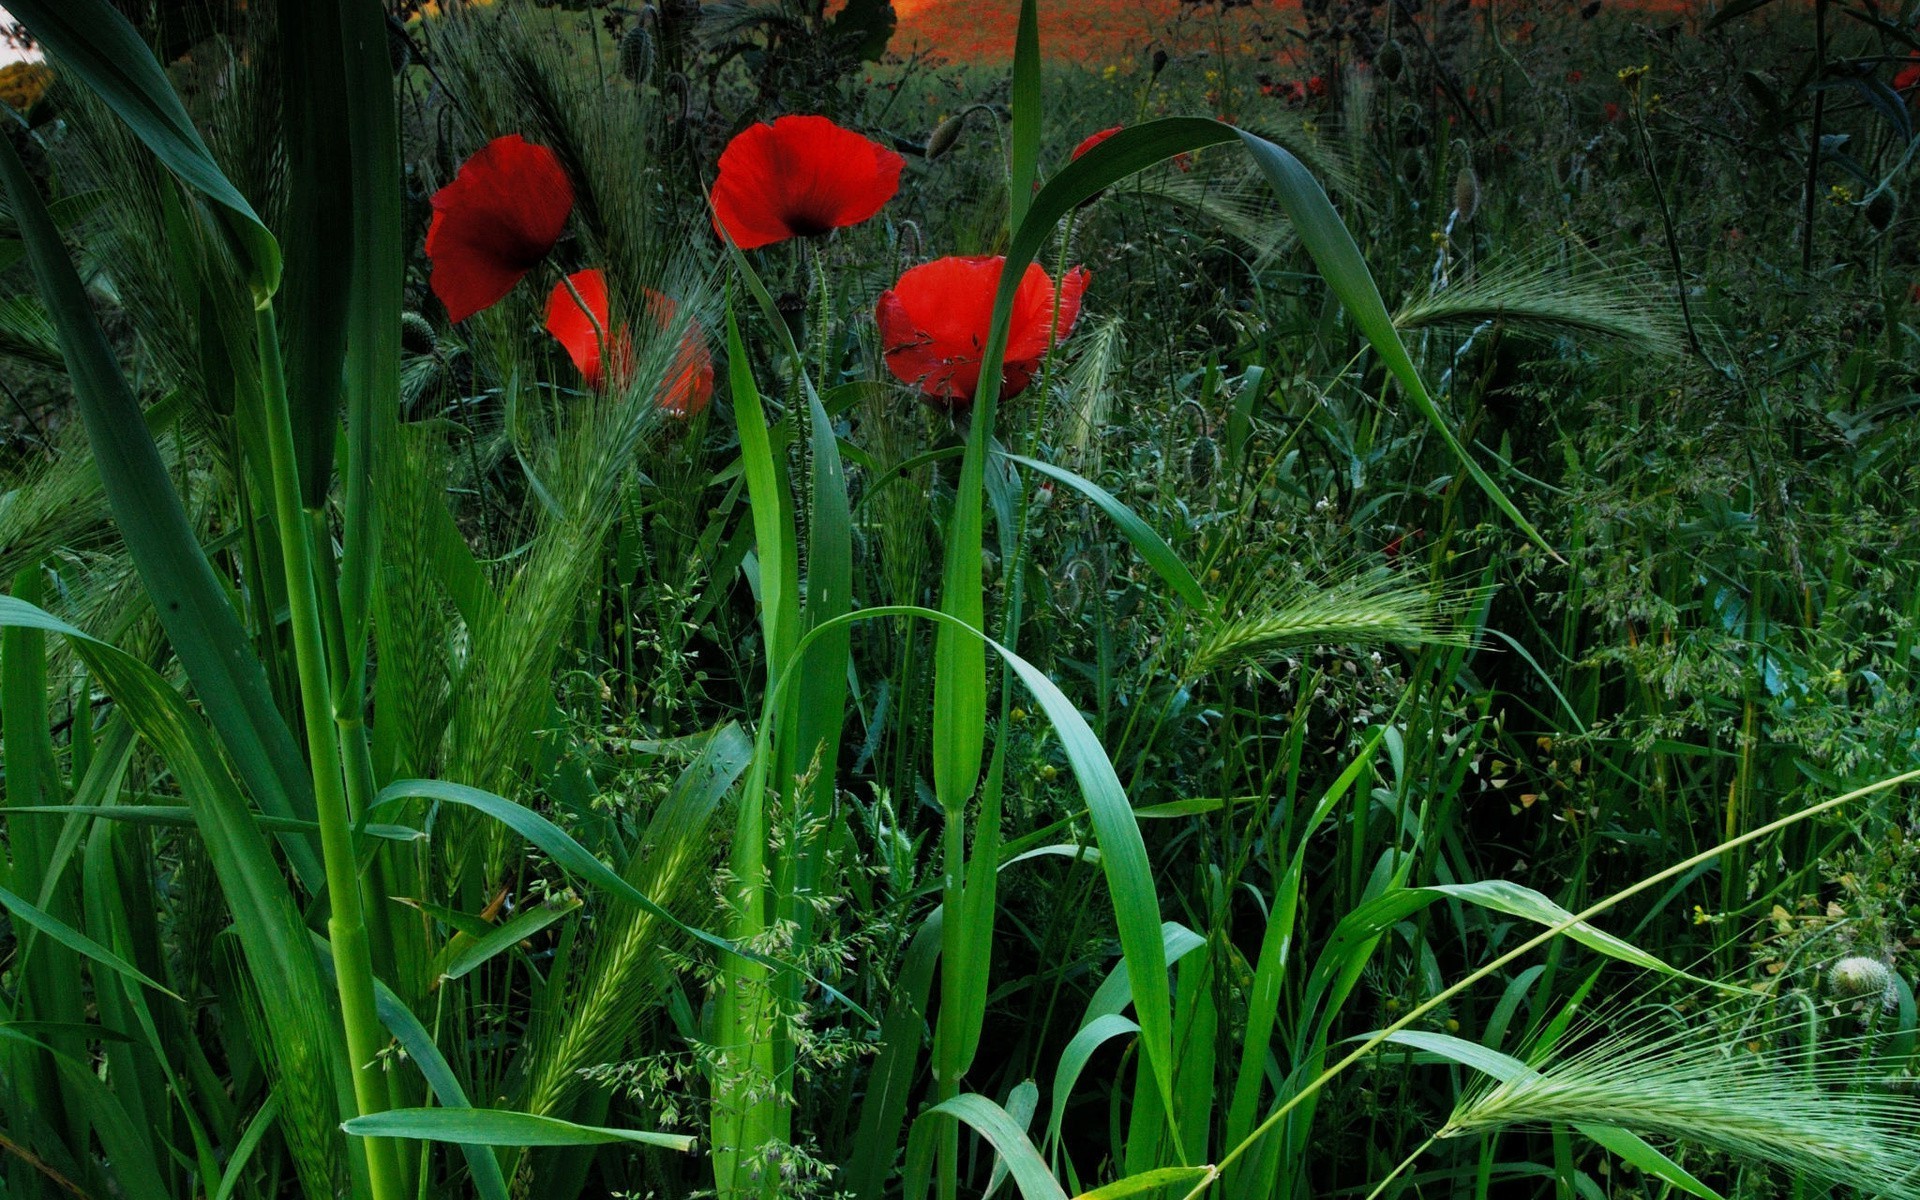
[353, 963]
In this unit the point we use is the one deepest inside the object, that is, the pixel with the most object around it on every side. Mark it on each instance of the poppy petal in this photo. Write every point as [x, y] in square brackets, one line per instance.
[500, 216]
[577, 318]
[934, 323]
[1094, 139]
[800, 176]
[690, 384]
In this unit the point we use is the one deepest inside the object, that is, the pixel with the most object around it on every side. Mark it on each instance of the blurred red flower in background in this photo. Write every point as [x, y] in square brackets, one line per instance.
[1907, 78]
[500, 216]
[579, 329]
[1094, 139]
[934, 323]
[798, 177]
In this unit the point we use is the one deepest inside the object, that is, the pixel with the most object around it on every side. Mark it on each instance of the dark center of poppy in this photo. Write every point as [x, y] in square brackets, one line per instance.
[806, 224]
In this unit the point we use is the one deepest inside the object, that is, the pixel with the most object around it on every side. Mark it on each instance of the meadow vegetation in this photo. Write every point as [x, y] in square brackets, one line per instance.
[1372, 652]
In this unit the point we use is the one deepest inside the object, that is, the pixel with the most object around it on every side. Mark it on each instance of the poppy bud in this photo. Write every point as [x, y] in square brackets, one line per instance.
[1412, 166]
[1880, 211]
[945, 134]
[1159, 61]
[416, 334]
[637, 54]
[1466, 194]
[1391, 61]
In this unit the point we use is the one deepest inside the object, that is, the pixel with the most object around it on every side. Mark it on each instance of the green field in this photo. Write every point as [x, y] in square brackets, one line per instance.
[1230, 601]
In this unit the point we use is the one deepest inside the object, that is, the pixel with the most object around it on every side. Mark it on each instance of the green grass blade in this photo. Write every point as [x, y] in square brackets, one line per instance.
[317, 292]
[1002, 1132]
[421, 1050]
[883, 1112]
[1073, 1060]
[91, 39]
[1152, 548]
[373, 320]
[577, 860]
[243, 1149]
[497, 1127]
[509, 933]
[76, 941]
[1156, 1182]
[297, 1013]
[205, 634]
[1027, 102]
[1334, 251]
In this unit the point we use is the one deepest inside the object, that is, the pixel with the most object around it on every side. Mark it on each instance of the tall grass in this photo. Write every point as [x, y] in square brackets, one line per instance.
[1370, 644]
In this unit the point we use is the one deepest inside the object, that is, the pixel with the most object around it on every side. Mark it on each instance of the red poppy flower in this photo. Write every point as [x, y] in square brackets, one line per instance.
[934, 321]
[1610, 111]
[797, 177]
[1316, 86]
[579, 328]
[1907, 79]
[499, 217]
[1094, 139]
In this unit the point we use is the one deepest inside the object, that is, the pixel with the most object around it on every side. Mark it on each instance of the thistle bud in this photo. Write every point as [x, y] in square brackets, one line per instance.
[637, 54]
[945, 134]
[1858, 976]
[1466, 194]
[416, 334]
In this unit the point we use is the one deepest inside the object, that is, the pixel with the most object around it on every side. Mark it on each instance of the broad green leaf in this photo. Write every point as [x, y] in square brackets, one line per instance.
[91, 39]
[180, 816]
[372, 364]
[207, 637]
[269, 927]
[497, 1127]
[317, 294]
[1020, 1105]
[1150, 545]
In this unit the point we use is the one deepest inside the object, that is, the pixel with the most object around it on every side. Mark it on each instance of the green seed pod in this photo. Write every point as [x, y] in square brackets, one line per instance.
[945, 134]
[637, 54]
[1391, 62]
[416, 334]
[1466, 194]
[1880, 211]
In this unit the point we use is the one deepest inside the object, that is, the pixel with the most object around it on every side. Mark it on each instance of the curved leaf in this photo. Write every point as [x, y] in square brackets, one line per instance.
[91, 39]
[498, 1127]
[1150, 545]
